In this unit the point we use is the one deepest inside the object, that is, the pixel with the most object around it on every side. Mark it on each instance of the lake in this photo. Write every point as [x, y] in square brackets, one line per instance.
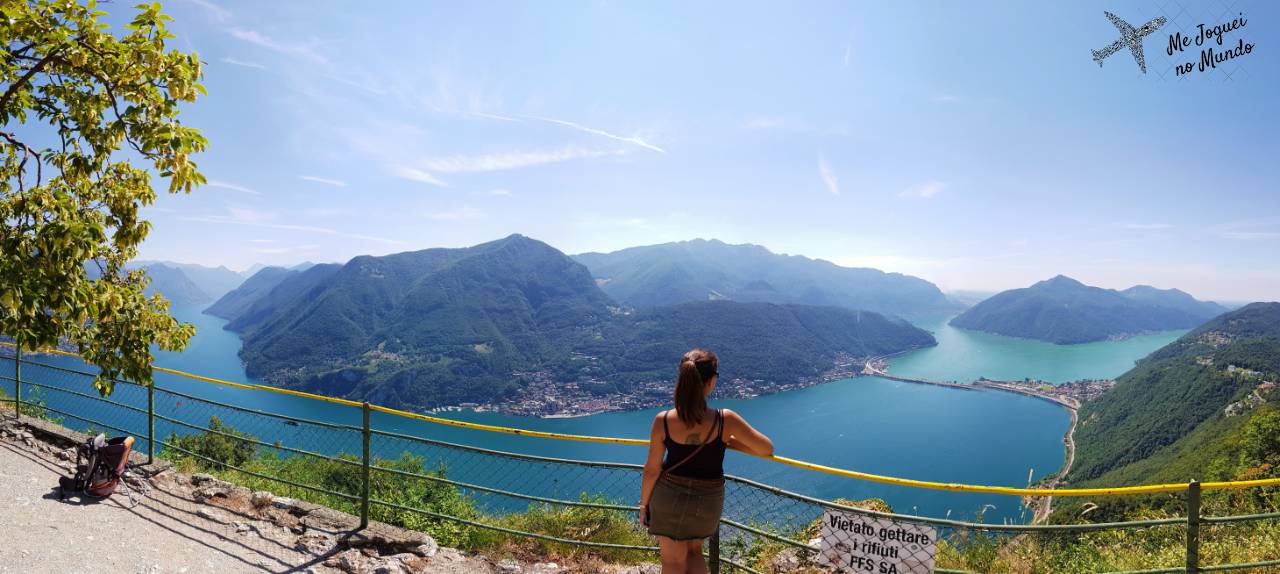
[867, 424]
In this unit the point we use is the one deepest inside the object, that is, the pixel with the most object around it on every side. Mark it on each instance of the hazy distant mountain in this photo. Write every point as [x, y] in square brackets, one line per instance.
[443, 326]
[969, 298]
[213, 281]
[174, 284]
[260, 305]
[1065, 311]
[1175, 299]
[701, 270]
[238, 300]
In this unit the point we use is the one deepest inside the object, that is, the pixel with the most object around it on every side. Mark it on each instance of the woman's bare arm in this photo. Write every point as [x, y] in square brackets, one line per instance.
[741, 436]
[652, 464]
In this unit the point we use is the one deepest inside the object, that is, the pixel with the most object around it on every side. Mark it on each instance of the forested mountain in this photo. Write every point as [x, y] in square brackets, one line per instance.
[238, 300]
[701, 270]
[1175, 299]
[1065, 311]
[443, 326]
[262, 305]
[1182, 411]
[174, 284]
[212, 281]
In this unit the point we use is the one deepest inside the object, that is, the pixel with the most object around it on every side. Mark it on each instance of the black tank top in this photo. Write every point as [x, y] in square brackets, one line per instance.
[708, 464]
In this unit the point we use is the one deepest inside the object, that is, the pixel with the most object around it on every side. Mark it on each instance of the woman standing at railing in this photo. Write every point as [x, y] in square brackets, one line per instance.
[682, 496]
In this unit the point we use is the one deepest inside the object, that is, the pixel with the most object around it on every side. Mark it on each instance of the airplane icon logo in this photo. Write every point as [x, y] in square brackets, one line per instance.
[1130, 37]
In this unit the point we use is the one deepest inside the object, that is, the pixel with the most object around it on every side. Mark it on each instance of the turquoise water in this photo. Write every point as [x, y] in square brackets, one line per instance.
[867, 424]
[964, 356]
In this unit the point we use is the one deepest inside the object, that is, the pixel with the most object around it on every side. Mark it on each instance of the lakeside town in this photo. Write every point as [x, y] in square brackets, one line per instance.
[543, 396]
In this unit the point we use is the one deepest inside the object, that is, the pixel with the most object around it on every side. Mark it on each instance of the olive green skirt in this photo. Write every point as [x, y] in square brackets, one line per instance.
[685, 508]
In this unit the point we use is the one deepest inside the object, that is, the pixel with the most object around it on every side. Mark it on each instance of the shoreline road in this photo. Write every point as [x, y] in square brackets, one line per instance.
[1070, 405]
[1046, 507]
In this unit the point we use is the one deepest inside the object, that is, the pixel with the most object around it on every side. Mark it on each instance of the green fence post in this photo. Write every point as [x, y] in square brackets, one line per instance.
[1193, 527]
[17, 382]
[151, 421]
[364, 489]
[713, 550]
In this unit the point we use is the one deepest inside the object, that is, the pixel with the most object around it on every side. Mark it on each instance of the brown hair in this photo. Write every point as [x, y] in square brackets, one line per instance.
[696, 370]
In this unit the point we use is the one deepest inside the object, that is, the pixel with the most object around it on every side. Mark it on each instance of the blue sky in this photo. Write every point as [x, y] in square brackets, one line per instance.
[973, 144]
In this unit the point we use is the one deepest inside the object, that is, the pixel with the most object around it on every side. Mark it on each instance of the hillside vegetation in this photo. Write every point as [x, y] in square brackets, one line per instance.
[1065, 311]
[257, 286]
[445, 326]
[1180, 393]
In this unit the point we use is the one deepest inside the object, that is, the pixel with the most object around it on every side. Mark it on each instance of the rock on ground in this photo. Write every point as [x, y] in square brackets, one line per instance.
[192, 524]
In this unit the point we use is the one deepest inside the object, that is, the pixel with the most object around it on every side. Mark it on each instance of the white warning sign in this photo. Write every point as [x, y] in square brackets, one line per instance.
[856, 543]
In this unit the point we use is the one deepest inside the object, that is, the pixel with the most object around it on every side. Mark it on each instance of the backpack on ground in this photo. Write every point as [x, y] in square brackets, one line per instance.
[99, 467]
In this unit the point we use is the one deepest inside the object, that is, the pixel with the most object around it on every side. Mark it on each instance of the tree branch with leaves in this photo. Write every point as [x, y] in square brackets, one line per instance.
[73, 94]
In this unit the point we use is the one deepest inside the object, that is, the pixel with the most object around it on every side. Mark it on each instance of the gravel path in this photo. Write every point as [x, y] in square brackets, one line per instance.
[43, 534]
[197, 524]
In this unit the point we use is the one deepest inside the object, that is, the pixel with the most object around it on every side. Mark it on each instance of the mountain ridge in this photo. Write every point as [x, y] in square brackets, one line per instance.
[1063, 310]
[444, 326]
[709, 269]
[1177, 414]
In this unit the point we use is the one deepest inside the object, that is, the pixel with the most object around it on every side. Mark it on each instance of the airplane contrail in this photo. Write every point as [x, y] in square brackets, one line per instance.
[591, 130]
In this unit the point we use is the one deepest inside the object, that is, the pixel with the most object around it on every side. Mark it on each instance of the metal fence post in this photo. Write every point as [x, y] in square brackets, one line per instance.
[364, 489]
[713, 549]
[151, 421]
[17, 382]
[1193, 527]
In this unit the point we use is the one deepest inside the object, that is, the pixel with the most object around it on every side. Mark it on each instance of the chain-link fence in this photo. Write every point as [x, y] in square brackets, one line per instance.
[474, 497]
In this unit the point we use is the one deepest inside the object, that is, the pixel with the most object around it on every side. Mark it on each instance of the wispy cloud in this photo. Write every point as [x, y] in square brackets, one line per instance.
[1257, 229]
[512, 160]
[263, 221]
[231, 186]
[415, 174]
[242, 63]
[493, 193]
[461, 214]
[946, 98]
[1144, 226]
[301, 50]
[1251, 235]
[828, 176]
[490, 116]
[324, 180]
[765, 123]
[215, 11]
[600, 132]
[249, 215]
[923, 191]
[848, 54]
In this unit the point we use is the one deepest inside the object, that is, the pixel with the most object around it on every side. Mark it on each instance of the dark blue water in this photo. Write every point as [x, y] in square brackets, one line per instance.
[867, 424]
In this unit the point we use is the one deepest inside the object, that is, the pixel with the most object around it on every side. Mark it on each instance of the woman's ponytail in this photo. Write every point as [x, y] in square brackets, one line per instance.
[696, 368]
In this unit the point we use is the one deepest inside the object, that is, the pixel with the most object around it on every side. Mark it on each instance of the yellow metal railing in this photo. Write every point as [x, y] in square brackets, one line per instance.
[953, 487]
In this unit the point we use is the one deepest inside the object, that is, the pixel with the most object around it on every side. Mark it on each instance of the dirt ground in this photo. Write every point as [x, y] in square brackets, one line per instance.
[43, 534]
[179, 523]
